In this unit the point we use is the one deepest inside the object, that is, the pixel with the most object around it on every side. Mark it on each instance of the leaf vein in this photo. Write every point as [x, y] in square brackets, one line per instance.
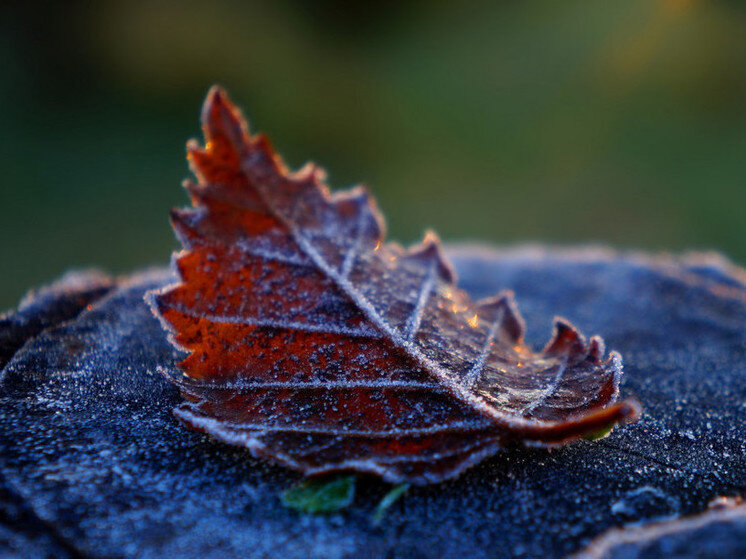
[471, 377]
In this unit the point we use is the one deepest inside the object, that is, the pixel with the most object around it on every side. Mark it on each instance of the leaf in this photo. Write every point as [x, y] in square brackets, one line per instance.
[316, 496]
[317, 345]
[389, 499]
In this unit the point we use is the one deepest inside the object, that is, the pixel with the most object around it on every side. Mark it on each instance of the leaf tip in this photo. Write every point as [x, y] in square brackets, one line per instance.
[629, 410]
[596, 348]
[216, 96]
[566, 339]
[430, 250]
[503, 307]
[221, 119]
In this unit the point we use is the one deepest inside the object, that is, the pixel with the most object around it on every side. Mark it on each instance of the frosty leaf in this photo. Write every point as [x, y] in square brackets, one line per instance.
[314, 343]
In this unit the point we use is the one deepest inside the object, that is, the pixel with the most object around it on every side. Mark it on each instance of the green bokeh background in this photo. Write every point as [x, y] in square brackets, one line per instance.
[563, 122]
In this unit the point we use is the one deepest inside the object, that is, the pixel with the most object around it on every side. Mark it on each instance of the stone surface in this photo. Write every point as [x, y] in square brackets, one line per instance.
[45, 307]
[717, 533]
[94, 464]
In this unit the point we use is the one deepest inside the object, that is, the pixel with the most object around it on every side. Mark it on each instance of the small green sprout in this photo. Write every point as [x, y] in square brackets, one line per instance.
[389, 499]
[320, 496]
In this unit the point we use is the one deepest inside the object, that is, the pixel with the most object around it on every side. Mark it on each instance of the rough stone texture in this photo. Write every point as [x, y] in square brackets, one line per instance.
[93, 462]
[714, 534]
[48, 306]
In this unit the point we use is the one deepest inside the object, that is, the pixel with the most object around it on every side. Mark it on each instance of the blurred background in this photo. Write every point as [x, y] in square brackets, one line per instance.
[563, 122]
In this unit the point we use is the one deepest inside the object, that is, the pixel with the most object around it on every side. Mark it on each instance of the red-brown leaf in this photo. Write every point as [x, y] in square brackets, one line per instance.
[317, 345]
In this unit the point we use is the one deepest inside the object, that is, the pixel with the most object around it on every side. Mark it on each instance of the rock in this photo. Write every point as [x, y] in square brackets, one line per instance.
[48, 306]
[717, 533]
[93, 463]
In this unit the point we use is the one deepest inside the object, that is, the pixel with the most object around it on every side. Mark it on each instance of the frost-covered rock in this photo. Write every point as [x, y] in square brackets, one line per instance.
[93, 463]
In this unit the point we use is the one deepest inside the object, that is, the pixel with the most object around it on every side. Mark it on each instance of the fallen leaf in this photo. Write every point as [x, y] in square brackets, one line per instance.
[316, 344]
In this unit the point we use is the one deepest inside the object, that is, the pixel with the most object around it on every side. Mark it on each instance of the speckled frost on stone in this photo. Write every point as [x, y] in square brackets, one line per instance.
[314, 343]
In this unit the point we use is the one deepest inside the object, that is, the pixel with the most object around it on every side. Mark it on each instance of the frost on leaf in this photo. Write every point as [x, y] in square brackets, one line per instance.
[316, 344]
